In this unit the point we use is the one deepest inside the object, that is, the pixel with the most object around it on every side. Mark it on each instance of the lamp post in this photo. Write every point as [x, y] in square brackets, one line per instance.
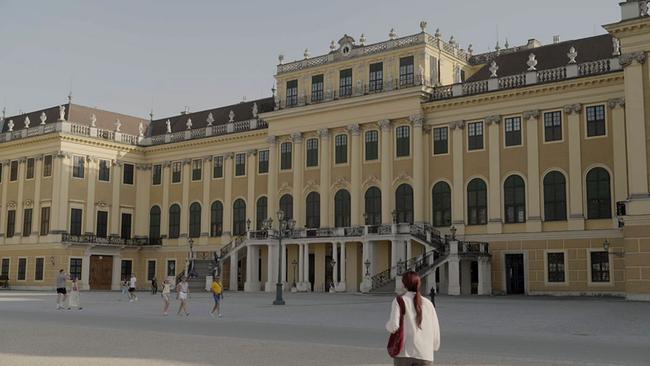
[294, 262]
[606, 245]
[190, 258]
[394, 214]
[285, 230]
[367, 264]
[452, 230]
[333, 285]
[248, 225]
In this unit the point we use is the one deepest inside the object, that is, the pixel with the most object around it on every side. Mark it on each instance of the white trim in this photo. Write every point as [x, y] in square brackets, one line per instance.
[161, 174]
[363, 148]
[130, 212]
[257, 161]
[565, 252]
[43, 176]
[83, 158]
[171, 172]
[522, 133]
[467, 149]
[108, 219]
[8, 267]
[192, 170]
[410, 154]
[347, 150]
[33, 171]
[562, 124]
[318, 147]
[505, 176]
[123, 172]
[167, 260]
[214, 161]
[612, 203]
[67, 270]
[433, 141]
[610, 258]
[466, 201]
[584, 110]
[110, 171]
[234, 165]
[280, 143]
[155, 269]
[132, 268]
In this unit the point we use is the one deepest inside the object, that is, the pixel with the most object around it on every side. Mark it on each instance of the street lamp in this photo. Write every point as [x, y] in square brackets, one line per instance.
[365, 218]
[453, 232]
[606, 248]
[394, 214]
[190, 259]
[248, 225]
[367, 264]
[333, 285]
[294, 262]
[285, 230]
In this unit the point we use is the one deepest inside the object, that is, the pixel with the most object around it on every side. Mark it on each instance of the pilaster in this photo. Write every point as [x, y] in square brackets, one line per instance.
[20, 199]
[36, 214]
[207, 205]
[325, 171]
[142, 184]
[90, 194]
[386, 170]
[617, 107]
[418, 168]
[114, 228]
[227, 197]
[3, 211]
[298, 167]
[250, 190]
[185, 198]
[355, 175]
[164, 210]
[576, 211]
[531, 122]
[494, 186]
[272, 181]
[458, 191]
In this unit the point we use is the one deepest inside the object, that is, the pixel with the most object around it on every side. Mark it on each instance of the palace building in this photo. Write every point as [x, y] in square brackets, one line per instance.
[518, 171]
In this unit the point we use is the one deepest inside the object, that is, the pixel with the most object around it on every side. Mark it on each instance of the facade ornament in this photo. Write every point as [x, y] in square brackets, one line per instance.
[189, 123]
[532, 62]
[118, 126]
[101, 204]
[28, 203]
[362, 39]
[280, 58]
[572, 55]
[332, 46]
[423, 26]
[493, 69]
[457, 124]
[417, 119]
[573, 108]
[531, 114]
[11, 125]
[495, 119]
[61, 113]
[452, 41]
[43, 118]
[324, 133]
[438, 35]
[626, 59]
[169, 126]
[470, 49]
[11, 204]
[93, 120]
[616, 47]
[231, 116]
[228, 155]
[616, 102]
[384, 124]
[27, 122]
[507, 44]
[210, 119]
[306, 53]
[251, 152]
[497, 47]
[296, 137]
[255, 110]
[354, 129]
[141, 129]
[392, 35]
[271, 140]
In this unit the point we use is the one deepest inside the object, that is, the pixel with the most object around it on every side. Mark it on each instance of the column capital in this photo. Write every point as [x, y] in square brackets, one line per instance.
[207, 158]
[628, 59]
[324, 133]
[457, 124]
[166, 164]
[531, 114]
[187, 161]
[616, 102]
[417, 119]
[228, 155]
[251, 152]
[573, 108]
[354, 129]
[384, 124]
[271, 140]
[296, 137]
[493, 120]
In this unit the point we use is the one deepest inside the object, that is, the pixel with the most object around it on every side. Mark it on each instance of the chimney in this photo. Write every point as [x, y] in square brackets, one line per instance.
[556, 39]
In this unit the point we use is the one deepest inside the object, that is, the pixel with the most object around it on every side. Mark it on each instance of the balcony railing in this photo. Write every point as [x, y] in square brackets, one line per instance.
[109, 240]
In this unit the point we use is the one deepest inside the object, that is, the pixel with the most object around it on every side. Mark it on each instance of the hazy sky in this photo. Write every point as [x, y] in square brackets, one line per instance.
[131, 55]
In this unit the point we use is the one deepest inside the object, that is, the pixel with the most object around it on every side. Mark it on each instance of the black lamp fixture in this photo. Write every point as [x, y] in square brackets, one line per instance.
[606, 246]
[452, 230]
[367, 264]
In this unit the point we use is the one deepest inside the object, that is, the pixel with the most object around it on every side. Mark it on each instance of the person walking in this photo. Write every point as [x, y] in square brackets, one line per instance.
[74, 295]
[166, 291]
[182, 293]
[125, 287]
[154, 286]
[432, 295]
[418, 322]
[61, 292]
[217, 295]
[132, 283]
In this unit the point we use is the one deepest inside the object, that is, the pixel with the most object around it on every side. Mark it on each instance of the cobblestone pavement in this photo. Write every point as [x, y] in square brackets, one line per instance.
[316, 329]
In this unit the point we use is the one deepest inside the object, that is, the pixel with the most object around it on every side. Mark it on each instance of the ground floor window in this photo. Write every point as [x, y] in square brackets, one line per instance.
[38, 270]
[22, 269]
[151, 270]
[171, 268]
[75, 268]
[599, 267]
[126, 269]
[556, 268]
[4, 270]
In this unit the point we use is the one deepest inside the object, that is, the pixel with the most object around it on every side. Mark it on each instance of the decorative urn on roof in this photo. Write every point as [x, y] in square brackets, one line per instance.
[210, 119]
[43, 118]
[532, 62]
[493, 69]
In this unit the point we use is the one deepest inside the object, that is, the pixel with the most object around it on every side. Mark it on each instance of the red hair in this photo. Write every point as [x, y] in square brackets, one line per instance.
[411, 281]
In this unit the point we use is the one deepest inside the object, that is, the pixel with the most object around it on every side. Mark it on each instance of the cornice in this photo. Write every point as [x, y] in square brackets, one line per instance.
[206, 141]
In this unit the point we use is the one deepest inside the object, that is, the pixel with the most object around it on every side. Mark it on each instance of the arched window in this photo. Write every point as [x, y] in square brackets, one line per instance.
[174, 221]
[373, 206]
[476, 202]
[554, 196]
[262, 212]
[154, 222]
[599, 200]
[342, 209]
[195, 220]
[216, 218]
[441, 203]
[514, 199]
[286, 205]
[404, 204]
[313, 210]
[239, 217]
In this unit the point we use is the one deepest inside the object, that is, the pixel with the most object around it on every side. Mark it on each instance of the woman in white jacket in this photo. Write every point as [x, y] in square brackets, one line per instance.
[421, 328]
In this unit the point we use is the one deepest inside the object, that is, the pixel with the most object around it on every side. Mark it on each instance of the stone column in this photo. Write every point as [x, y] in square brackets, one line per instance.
[335, 269]
[272, 190]
[576, 215]
[301, 263]
[306, 268]
[85, 271]
[355, 175]
[64, 184]
[418, 168]
[386, 170]
[250, 179]
[227, 197]
[185, 200]
[117, 272]
[366, 282]
[453, 272]
[458, 190]
[234, 267]
[531, 120]
[19, 199]
[90, 195]
[250, 272]
[409, 251]
[164, 210]
[325, 170]
[484, 276]
[343, 265]
[3, 211]
[142, 184]
[618, 139]
[36, 214]
[298, 167]
[57, 172]
[206, 206]
[494, 185]
[114, 228]
[271, 274]
[284, 264]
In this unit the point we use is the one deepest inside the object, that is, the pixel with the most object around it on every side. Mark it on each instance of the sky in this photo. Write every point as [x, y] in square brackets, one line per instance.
[131, 56]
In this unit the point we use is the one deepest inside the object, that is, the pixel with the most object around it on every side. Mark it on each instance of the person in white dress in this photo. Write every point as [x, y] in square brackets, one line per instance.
[182, 293]
[166, 291]
[74, 302]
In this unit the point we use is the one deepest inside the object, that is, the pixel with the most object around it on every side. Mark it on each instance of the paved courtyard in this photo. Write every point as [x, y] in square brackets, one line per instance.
[316, 329]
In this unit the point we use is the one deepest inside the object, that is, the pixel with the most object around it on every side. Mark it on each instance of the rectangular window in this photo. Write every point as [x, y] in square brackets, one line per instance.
[372, 145]
[151, 270]
[171, 268]
[13, 172]
[75, 221]
[263, 160]
[513, 131]
[433, 71]
[27, 222]
[553, 126]
[45, 221]
[406, 71]
[599, 267]
[126, 226]
[217, 167]
[75, 268]
[177, 170]
[596, 121]
[556, 270]
[317, 88]
[341, 149]
[127, 176]
[292, 93]
[403, 141]
[1, 166]
[440, 140]
[197, 165]
[102, 224]
[22, 269]
[285, 156]
[11, 223]
[240, 165]
[156, 175]
[47, 166]
[104, 173]
[312, 152]
[376, 77]
[126, 268]
[475, 136]
[78, 166]
[345, 83]
[38, 269]
[5, 267]
[29, 172]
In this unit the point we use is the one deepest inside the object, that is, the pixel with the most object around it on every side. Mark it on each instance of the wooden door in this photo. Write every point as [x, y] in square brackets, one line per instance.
[101, 272]
[515, 274]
